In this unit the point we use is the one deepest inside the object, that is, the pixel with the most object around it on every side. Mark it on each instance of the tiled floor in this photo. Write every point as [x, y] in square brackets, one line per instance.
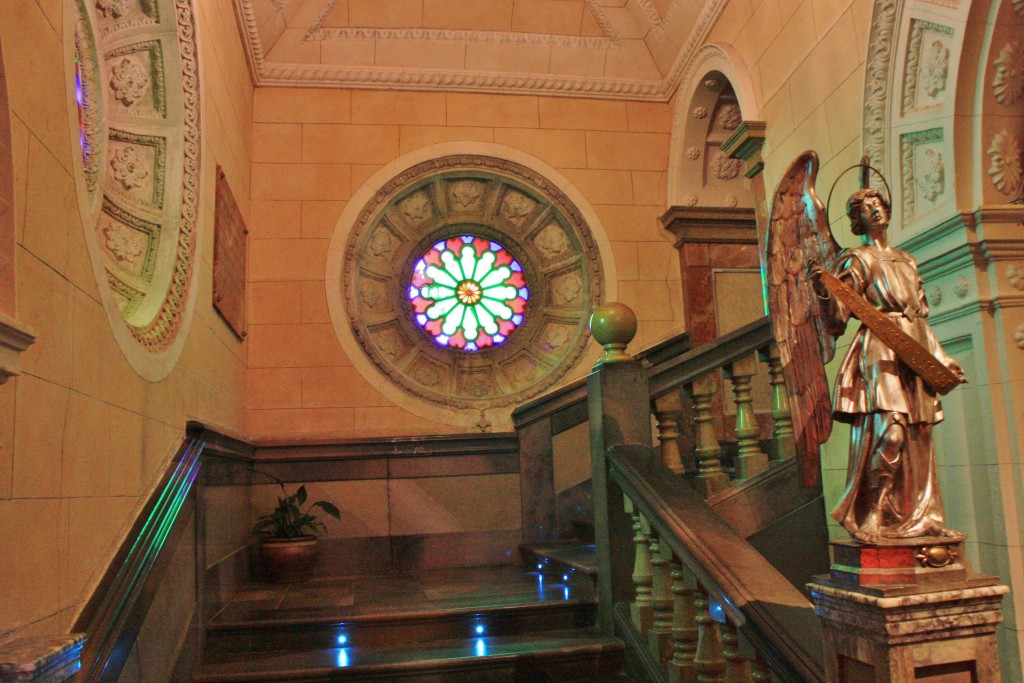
[407, 592]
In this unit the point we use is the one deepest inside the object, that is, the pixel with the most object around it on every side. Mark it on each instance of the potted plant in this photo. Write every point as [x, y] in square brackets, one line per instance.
[287, 546]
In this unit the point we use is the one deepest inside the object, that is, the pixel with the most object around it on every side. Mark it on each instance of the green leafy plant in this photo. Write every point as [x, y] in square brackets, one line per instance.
[289, 519]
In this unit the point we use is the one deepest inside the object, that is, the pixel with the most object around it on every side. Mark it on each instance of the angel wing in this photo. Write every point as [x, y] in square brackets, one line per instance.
[798, 232]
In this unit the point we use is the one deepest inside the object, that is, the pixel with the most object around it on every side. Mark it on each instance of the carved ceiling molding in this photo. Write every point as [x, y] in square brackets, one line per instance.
[138, 185]
[499, 37]
[265, 72]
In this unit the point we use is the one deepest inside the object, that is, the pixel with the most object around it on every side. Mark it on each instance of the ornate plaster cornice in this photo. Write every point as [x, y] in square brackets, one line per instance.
[265, 72]
[485, 82]
[436, 34]
[877, 82]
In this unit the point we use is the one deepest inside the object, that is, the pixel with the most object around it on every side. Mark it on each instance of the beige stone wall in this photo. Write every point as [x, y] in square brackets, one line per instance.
[83, 439]
[313, 148]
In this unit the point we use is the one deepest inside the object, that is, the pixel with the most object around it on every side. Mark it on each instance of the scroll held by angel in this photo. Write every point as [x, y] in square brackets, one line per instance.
[887, 388]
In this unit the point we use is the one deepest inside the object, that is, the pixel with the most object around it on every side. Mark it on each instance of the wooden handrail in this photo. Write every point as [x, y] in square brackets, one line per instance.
[767, 609]
[678, 370]
[117, 609]
[655, 356]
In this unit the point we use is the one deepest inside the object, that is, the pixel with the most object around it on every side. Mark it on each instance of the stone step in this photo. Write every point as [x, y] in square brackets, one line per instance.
[578, 655]
[318, 628]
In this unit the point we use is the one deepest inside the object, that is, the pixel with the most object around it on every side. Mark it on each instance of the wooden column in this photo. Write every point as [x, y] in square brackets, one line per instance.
[618, 400]
[681, 668]
[668, 411]
[710, 477]
[640, 607]
[783, 445]
[750, 459]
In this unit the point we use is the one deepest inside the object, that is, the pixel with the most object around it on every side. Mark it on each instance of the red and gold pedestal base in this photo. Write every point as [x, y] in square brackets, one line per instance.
[907, 611]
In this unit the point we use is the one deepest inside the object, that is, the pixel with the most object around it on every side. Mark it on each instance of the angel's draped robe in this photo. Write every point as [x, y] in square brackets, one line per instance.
[875, 390]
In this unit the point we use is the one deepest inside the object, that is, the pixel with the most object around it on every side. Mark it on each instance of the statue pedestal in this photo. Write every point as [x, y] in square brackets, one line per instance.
[907, 611]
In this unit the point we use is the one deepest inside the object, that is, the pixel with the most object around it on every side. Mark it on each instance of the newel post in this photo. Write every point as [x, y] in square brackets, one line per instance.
[618, 400]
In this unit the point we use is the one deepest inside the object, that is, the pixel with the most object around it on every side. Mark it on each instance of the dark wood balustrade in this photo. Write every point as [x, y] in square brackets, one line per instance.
[680, 578]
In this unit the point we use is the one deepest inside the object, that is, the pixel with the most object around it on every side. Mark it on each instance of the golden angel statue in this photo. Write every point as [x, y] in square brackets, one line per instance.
[888, 384]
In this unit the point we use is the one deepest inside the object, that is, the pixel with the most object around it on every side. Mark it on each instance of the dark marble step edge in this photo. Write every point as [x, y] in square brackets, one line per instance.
[407, 616]
[576, 645]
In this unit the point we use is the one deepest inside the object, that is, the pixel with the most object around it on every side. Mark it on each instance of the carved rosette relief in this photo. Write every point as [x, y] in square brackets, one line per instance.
[129, 168]
[700, 112]
[495, 200]
[961, 286]
[517, 206]
[935, 295]
[725, 167]
[553, 242]
[113, 8]
[1015, 276]
[128, 81]
[729, 117]
[693, 153]
[1018, 336]
[1008, 82]
[690, 199]
[467, 194]
[139, 181]
[1005, 162]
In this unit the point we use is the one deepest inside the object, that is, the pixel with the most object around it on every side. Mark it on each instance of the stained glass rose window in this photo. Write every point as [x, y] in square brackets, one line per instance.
[468, 293]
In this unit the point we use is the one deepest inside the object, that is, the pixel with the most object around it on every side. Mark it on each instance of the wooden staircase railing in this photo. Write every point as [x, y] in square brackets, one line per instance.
[692, 597]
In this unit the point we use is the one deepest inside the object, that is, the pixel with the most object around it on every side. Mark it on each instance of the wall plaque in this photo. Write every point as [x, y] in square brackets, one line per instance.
[229, 258]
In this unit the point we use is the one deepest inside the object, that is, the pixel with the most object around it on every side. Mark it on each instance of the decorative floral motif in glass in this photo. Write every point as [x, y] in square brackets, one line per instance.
[468, 293]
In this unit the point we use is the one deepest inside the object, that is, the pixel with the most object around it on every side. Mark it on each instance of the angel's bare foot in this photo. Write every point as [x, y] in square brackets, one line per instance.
[951, 533]
[867, 534]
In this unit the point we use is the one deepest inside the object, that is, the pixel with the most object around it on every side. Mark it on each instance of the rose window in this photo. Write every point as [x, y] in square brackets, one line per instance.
[468, 293]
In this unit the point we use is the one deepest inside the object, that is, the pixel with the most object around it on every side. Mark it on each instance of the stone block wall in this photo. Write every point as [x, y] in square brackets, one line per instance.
[312, 149]
[83, 439]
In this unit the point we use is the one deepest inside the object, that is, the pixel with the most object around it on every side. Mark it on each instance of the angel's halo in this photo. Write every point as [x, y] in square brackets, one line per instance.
[862, 164]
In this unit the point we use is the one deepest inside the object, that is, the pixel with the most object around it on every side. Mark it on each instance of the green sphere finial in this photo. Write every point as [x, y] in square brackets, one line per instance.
[613, 325]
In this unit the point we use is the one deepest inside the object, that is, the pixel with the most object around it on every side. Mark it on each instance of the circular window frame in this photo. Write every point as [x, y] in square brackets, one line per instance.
[458, 403]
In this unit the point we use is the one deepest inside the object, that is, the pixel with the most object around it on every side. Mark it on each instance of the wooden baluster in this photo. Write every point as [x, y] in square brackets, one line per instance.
[783, 445]
[737, 667]
[681, 668]
[640, 609]
[762, 672]
[709, 660]
[668, 411]
[750, 459]
[659, 638]
[710, 477]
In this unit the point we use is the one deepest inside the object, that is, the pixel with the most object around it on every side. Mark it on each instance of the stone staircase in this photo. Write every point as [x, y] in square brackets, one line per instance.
[471, 624]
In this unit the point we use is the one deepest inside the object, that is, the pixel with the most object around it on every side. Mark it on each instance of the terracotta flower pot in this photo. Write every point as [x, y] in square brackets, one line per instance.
[287, 560]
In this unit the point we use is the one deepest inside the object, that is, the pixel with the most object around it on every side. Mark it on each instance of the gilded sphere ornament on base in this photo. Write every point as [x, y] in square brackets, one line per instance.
[613, 325]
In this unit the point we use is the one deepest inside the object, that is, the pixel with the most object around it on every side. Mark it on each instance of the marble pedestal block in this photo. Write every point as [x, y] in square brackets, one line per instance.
[889, 615]
[46, 659]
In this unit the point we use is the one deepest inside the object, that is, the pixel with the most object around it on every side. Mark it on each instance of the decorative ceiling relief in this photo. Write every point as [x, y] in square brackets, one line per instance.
[137, 101]
[479, 300]
[923, 172]
[635, 49]
[927, 67]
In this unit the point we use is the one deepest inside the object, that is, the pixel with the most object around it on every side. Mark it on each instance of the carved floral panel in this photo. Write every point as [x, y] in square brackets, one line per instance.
[136, 106]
